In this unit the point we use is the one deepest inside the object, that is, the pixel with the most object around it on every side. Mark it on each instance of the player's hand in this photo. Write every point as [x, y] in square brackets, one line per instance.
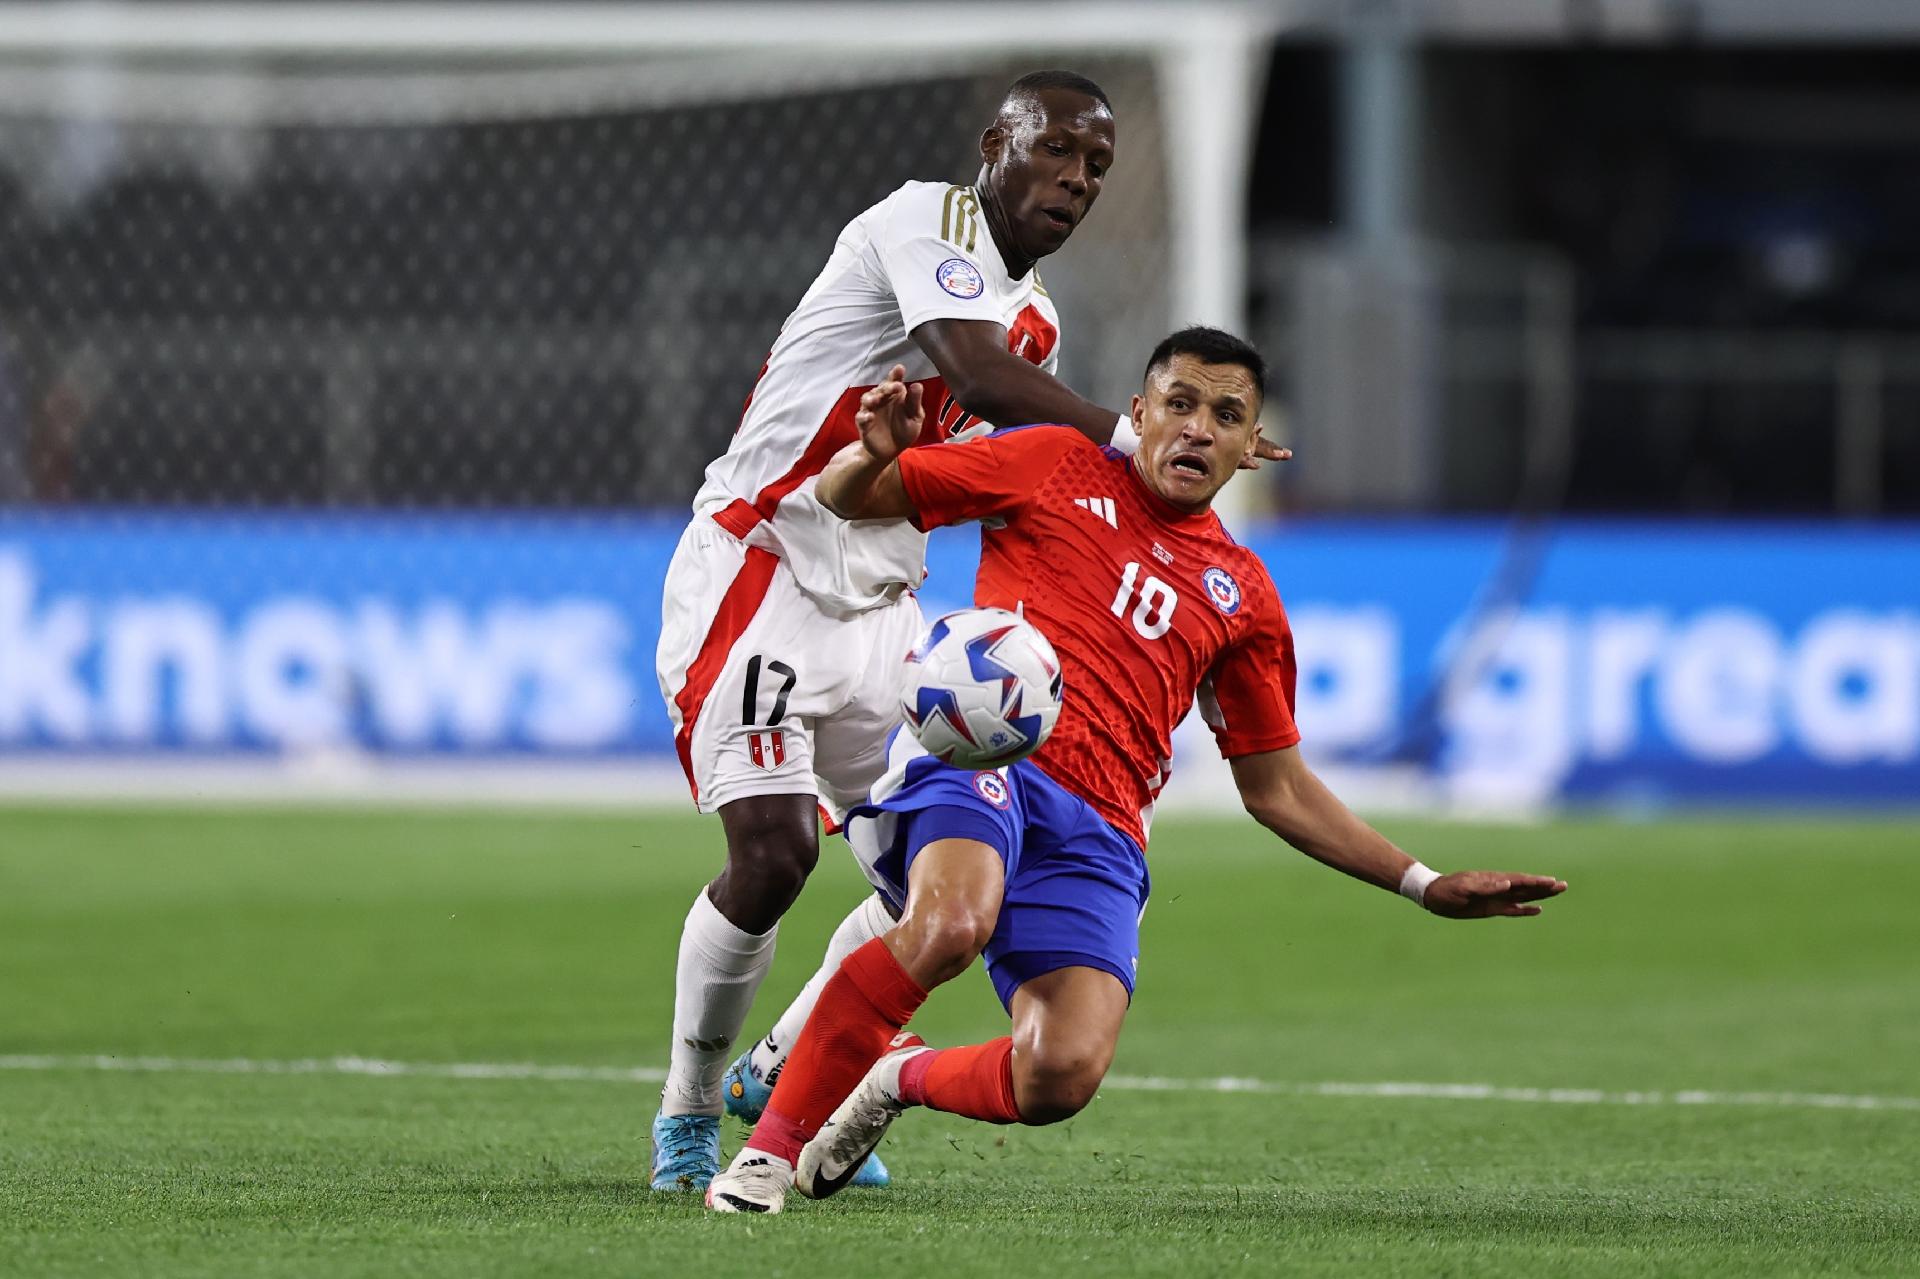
[1265, 450]
[891, 415]
[1481, 894]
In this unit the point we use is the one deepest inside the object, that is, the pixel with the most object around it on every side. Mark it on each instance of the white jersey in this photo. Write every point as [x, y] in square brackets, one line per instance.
[923, 253]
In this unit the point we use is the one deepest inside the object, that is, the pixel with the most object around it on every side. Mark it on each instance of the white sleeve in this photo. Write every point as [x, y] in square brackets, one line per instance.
[929, 252]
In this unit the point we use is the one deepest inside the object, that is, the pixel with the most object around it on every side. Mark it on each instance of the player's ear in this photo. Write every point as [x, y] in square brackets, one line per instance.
[992, 141]
[1139, 412]
[1253, 440]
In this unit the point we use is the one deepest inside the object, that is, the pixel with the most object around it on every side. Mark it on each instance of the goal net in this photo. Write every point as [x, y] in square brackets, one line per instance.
[409, 285]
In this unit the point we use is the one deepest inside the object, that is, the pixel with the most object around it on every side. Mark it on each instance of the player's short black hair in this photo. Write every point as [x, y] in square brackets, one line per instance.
[1210, 346]
[1037, 82]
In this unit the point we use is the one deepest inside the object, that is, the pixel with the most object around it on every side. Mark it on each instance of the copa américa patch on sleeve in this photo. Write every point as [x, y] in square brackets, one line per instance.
[960, 277]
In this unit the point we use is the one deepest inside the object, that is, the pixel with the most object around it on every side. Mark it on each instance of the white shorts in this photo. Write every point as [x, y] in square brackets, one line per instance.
[769, 694]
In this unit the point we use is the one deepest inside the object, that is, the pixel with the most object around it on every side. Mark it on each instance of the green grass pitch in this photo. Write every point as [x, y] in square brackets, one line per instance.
[1764, 956]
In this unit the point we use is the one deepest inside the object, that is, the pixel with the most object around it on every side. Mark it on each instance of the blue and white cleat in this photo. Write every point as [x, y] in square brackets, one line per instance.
[745, 1093]
[686, 1151]
[746, 1099]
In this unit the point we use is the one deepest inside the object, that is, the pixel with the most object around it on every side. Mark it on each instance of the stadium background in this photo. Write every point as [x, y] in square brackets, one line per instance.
[357, 364]
[353, 377]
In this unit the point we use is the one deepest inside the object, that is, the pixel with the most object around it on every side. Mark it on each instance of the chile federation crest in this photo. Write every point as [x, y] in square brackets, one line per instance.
[1222, 590]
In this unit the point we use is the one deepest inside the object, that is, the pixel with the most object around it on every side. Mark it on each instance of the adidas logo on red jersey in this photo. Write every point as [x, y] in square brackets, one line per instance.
[1101, 506]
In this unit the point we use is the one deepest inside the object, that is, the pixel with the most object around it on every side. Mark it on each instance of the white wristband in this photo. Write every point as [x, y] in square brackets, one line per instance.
[1125, 438]
[1413, 884]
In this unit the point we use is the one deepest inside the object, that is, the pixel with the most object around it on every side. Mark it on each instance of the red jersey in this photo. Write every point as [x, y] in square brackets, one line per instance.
[1145, 604]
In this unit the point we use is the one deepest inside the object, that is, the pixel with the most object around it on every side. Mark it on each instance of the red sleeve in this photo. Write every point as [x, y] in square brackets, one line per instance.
[988, 475]
[1247, 698]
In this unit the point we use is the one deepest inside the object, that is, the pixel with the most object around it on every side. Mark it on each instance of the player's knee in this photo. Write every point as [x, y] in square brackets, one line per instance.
[768, 861]
[945, 940]
[1053, 1085]
[778, 862]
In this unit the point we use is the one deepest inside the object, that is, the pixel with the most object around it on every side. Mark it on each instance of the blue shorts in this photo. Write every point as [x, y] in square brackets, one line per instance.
[1075, 886]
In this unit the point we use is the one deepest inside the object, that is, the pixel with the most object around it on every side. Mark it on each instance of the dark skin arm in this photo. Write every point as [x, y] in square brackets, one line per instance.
[998, 386]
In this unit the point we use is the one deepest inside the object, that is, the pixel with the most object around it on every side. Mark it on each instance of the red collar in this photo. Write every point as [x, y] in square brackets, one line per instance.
[1166, 512]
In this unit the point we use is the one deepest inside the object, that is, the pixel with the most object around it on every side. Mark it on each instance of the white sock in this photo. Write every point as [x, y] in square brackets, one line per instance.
[865, 922]
[720, 969]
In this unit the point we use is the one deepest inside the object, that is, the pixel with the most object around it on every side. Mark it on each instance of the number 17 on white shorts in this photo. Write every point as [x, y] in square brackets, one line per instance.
[769, 694]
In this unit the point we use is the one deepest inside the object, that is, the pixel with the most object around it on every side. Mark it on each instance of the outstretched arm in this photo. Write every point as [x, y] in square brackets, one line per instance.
[1285, 796]
[997, 386]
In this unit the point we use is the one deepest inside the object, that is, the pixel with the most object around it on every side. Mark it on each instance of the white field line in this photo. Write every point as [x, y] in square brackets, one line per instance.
[375, 1067]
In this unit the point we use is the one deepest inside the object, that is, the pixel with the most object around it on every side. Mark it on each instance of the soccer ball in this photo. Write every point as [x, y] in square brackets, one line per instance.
[982, 689]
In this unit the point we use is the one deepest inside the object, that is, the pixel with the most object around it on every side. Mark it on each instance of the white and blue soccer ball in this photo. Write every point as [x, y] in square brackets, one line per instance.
[982, 689]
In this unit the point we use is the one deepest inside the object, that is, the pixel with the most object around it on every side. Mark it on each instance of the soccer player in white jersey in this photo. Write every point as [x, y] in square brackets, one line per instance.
[782, 625]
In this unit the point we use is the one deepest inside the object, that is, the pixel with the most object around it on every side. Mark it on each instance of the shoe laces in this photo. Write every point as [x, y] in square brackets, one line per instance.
[684, 1135]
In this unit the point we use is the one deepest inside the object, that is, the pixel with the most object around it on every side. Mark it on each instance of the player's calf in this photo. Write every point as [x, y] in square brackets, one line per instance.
[1066, 1024]
[1056, 1087]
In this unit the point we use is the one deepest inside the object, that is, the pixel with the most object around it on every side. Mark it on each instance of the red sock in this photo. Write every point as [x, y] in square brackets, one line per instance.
[861, 1008]
[975, 1081]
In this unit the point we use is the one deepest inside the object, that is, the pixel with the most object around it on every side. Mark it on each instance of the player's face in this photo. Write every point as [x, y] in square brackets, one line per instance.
[1046, 157]
[1197, 422]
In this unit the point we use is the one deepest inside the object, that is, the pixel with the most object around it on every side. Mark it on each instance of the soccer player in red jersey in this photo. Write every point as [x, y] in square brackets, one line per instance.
[1040, 867]
[779, 623]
